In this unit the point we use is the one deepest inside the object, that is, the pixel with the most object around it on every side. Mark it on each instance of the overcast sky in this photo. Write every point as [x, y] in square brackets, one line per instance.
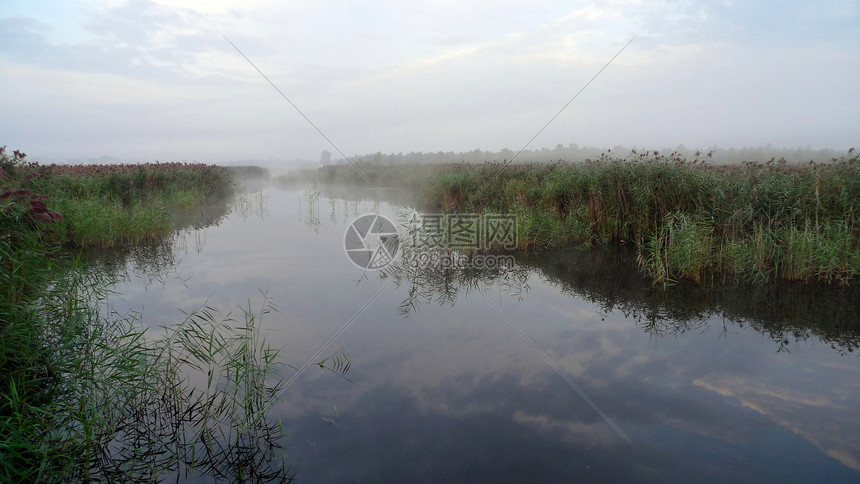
[144, 80]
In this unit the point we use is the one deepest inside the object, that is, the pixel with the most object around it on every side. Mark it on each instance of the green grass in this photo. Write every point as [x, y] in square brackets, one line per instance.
[89, 397]
[688, 219]
[114, 403]
[104, 206]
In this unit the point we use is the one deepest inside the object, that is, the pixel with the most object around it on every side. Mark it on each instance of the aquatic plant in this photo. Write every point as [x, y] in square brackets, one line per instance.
[689, 219]
[92, 397]
[108, 205]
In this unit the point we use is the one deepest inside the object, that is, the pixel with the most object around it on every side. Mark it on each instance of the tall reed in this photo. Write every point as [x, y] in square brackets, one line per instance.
[689, 219]
[93, 397]
[108, 205]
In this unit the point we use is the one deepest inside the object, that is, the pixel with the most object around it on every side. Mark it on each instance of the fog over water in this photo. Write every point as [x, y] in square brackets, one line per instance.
[709, 384]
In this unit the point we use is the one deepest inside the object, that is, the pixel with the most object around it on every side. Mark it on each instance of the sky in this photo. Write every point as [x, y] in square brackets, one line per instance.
[144, 80]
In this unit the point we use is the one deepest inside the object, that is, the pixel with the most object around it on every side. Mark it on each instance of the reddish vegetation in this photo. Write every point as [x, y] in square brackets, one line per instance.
[37, 210]
[19, 158]
[89, 170]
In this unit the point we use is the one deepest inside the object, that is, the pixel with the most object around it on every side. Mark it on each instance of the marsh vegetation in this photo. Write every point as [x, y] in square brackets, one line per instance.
[92, 396]
[687, 219]
[621, 277]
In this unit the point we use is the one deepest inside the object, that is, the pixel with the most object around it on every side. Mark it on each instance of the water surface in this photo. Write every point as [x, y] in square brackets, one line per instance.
[449, 379]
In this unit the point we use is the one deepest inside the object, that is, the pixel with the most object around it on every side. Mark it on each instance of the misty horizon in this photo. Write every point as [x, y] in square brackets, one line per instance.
[147, 80]
[562, 153]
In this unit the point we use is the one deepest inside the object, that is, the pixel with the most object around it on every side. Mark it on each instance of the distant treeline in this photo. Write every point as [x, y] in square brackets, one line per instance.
[574, 153]
[248, 171]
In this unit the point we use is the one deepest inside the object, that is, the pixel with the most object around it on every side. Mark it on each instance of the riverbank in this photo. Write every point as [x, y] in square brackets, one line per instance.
[689, 220]
[107, 205]
[88, 396]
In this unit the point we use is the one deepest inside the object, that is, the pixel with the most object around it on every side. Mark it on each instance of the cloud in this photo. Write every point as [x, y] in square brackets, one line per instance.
[406, 77]
[821, 418]
[595, 433]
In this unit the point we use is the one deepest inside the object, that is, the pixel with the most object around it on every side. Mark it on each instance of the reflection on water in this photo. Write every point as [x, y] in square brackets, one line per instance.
[251, 205]
[786, 313]
[208, 418]
[193, 403]
[158, 260]
[429, 278]
[425, 382]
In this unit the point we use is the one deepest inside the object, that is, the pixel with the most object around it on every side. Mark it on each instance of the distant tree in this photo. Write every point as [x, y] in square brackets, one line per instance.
[325, 158]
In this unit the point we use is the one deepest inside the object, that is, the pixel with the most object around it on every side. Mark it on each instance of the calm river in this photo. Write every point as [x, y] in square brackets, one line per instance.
[569, 367]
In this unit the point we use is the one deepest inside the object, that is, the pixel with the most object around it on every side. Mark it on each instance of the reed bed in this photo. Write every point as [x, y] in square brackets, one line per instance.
[89, 397]
[688, 219]
[108, 205]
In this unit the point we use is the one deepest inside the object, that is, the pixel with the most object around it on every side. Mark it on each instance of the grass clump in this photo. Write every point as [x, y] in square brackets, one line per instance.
[108, 205]
[688, 219]
[89, 397]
